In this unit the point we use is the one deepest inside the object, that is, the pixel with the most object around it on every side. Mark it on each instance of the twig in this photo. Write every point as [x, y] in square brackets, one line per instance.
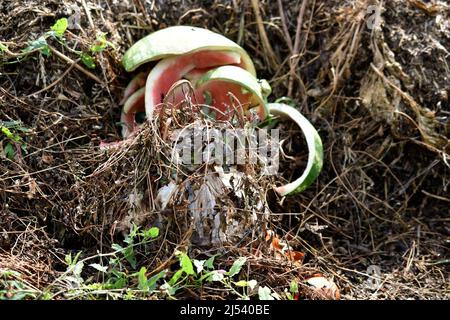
[294, 57]
[88, 14]
[144, 12]
[284, 25]
[57, 80]
[269, 54]
[77, 66]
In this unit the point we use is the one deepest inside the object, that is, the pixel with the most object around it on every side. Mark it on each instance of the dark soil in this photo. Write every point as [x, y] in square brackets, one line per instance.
[377, 94]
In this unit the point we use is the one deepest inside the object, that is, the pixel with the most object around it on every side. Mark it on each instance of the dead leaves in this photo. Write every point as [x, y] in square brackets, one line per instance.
[430, 9]
[319, 286]
[281, 250]
[323, 287]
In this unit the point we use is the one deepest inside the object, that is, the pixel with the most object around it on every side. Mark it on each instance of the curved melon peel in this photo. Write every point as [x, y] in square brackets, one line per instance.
[181, 40]
[134, 104]
[315, 148]
[242, 84]
[135, 84]
[170, 70]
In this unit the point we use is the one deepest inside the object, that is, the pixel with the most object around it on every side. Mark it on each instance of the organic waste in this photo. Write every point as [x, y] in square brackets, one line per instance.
[223, 78]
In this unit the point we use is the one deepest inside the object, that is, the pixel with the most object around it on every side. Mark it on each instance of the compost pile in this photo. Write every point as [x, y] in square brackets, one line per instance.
[372, 76]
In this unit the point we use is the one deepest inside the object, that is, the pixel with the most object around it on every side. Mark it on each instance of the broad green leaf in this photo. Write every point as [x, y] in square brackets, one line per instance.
[99, 267]
[119, 283]
[60, 27]
[175, 277]
[237, 266]
[210, 262]
[152, 233]
[153, 280]
[186, 264]
[39, 44]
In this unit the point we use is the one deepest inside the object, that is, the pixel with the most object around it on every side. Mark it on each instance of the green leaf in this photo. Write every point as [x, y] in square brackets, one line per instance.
[264, 293]
[175, 277]
[10, 153]
[241, 283]
[99, 267]
[130, 257]
[68, 259]
[101, 43]
[60, 27]
[210, 262]
[3, 47]
[117, 247]
[237, 266]
[119, 283]
[39, 44]
[88, 60]
[7, 132]
[153, 280]
[186, 264]
[294, 287]
[152, 233]
[142, 278]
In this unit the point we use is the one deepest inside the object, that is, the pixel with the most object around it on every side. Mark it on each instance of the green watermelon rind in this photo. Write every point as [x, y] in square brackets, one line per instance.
[315, 148]
[240, 77]
[180, 40]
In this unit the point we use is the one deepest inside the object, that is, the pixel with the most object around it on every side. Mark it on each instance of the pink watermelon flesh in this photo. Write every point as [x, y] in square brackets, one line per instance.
[135, 84]
[226, 97]
[222, 95]
[134, 104]
[196, 73]
[170, 70]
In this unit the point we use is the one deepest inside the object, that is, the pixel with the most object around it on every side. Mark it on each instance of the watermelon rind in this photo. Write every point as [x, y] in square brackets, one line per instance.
[315, 148]
[179, 40]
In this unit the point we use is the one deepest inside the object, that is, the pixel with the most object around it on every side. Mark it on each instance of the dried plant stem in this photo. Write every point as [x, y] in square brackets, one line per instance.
[285, 27]
[54, 83]
[76, 65]
[270, 56]
[294, 57]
